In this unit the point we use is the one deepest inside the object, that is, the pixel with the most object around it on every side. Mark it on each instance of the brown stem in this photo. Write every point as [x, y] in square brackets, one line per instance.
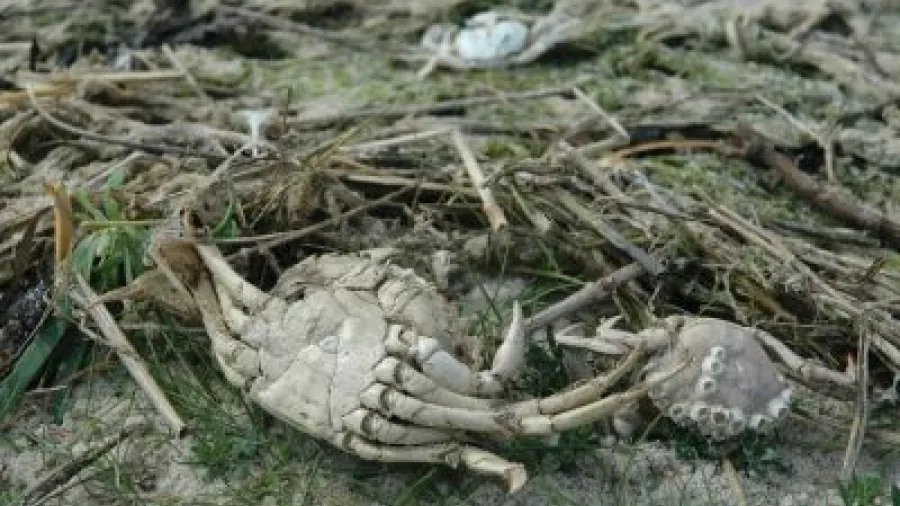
[831, 199]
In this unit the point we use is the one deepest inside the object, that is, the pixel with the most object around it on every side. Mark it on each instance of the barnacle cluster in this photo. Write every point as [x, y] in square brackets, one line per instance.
[729, 386]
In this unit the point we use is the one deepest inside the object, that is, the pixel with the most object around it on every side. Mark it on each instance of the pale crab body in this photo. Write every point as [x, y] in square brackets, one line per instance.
[348, 316]
[363, 354]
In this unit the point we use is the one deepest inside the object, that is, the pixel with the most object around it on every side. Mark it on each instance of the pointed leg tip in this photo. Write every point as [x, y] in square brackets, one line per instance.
[515, 477]
[517, 325]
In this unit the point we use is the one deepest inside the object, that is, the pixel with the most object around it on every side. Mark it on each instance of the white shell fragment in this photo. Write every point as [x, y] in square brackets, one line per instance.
[488, 39]
[493, 41]
[729, 386]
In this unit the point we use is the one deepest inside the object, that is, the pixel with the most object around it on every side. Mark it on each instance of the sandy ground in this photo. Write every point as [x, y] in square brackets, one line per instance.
[151, 467]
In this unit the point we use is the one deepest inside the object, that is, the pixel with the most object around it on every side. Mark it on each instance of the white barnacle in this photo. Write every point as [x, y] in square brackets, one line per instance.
[777, 408]
[712, 366]
[678, 411]
[720, 417]
[699, 412]
[718, 353]
[759, 422]
[738, 421]
[705, 385]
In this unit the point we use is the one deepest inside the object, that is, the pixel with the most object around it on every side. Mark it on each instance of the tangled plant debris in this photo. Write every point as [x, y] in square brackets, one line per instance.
[728, 163]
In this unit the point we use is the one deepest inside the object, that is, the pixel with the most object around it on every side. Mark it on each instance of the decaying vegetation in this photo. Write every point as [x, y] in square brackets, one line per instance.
[727, 159]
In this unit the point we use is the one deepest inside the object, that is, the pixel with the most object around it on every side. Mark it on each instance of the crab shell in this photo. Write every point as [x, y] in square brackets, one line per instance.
[730, 386]
[358, 352]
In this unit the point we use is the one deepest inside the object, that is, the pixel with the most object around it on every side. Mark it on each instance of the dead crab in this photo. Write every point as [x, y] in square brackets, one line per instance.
[729, 387]
[358, 352]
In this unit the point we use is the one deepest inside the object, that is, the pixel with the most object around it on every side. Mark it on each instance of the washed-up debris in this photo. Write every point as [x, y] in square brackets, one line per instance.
[503, 38]
[730, 162]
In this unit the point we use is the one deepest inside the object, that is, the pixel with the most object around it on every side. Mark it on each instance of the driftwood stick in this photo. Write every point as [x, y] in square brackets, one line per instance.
[489, 204]
[83, 295]
[831, 199]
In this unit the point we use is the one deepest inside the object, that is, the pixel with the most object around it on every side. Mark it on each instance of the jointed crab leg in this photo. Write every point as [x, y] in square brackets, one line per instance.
[393, 371]
[448, 454]
[447, 371]
[372, 425]
[223, 345]
[250, 296]
[584, 394]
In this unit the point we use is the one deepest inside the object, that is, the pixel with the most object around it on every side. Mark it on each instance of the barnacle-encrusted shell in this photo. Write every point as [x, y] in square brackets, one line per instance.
[729, 386]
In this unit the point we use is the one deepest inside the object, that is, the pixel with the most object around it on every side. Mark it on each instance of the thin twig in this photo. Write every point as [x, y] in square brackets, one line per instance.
[149, 148]
[176, 62]
[493, 211]
[273, 240]
[609, 233]
[588, 294]
[436, 107]
[395, 141]
[829, 198]
[610, 119]
[824, 141]
[807, 370]
[84, 296]
[860, 418]
[282, 23]
[882, 322]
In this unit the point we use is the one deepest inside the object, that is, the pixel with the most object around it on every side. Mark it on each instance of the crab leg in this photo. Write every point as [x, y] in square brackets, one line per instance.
[510, 356]
[250, 296]
[546, 425]
[587, 393]
[449, 454]
[234, 317]
[371, 425]
[238, 362]
[447, 371]
[392, 371]
[388, 400]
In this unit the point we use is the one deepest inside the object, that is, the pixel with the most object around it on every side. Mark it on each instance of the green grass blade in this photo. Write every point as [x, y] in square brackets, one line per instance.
[69, 365]
[29, 365]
